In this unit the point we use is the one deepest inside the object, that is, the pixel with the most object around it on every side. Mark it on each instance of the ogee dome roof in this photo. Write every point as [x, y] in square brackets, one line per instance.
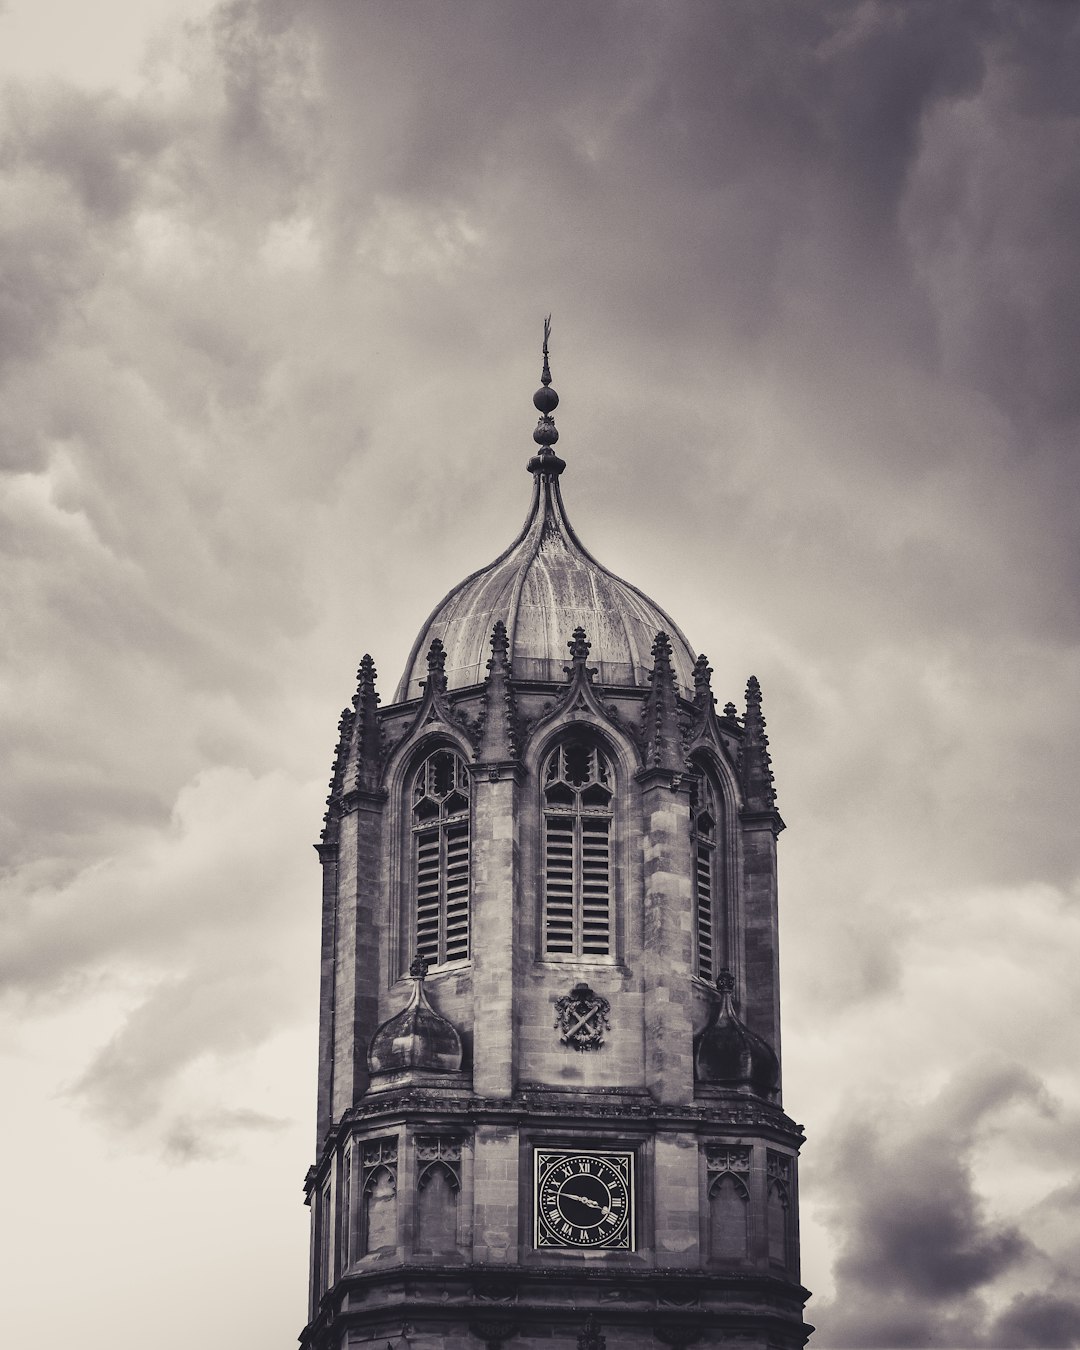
[543, 587]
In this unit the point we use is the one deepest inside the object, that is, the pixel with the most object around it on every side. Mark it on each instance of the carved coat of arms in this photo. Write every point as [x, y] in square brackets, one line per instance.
[582, 1018]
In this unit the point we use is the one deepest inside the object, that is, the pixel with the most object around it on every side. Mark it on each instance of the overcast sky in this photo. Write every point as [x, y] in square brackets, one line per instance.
[272, 279]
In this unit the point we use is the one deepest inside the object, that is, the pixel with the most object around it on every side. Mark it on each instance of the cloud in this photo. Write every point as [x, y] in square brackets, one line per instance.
[197, 930]
[919, 1250]
[268, 336]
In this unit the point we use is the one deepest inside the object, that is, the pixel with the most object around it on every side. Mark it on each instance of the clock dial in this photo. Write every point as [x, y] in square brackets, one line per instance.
[584, 1198]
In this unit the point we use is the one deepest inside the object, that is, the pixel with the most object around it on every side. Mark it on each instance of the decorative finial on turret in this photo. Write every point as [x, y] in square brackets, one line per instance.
[703, 694]
[579, 646]
[545, 401]
[419, 967]
[436, 666]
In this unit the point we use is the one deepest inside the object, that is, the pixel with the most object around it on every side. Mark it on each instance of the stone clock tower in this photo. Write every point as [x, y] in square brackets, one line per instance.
[549, 1078]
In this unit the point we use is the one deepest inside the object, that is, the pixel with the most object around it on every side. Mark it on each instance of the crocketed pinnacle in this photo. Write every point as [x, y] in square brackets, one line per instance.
[546, 400]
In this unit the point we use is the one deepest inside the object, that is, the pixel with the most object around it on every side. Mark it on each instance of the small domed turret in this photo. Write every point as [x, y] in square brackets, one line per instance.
[417, 1037]
[728, 1054]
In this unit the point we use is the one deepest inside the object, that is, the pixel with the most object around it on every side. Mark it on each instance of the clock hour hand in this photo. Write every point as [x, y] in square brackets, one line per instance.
[585, 1200]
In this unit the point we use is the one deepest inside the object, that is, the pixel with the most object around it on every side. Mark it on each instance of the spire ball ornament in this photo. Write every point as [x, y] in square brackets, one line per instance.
[546, 400]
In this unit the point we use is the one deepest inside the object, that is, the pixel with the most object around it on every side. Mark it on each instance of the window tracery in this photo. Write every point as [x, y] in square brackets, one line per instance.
[440, 833]
[578, 795]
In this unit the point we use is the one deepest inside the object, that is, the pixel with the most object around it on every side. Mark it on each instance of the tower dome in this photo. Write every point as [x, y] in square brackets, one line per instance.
[542, 587]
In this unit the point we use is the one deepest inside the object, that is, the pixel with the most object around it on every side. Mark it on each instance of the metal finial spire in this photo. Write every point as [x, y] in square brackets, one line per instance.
[545, 401]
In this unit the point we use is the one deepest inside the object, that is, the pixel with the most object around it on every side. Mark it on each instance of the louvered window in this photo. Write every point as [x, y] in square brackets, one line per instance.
[578, 791]
[703, 831]
[440, 812]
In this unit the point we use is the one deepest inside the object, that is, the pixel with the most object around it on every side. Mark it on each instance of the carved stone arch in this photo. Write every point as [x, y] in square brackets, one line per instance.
[417, 745]
[617, 742]
[429, 1172]
[729, 1218]
[778, 1221]
[438, 1188]
[378, 1217]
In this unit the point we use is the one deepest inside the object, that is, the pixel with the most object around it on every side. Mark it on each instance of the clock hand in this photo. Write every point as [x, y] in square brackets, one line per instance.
[584, 1200]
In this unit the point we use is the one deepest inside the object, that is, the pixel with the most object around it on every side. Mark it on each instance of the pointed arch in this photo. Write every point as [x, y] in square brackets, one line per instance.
[438, 1188]
[379, 1211]
[778, 1219]
[729, 1219]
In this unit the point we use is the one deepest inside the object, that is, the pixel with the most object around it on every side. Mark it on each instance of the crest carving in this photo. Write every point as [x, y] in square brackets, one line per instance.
[582, 1018]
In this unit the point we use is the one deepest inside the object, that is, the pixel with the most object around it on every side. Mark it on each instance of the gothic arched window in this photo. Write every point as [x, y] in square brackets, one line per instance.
[578, 790]
[440, 830]
[708, 915]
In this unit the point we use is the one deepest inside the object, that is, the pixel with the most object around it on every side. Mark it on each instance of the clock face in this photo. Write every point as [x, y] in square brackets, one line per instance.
[583, 1198]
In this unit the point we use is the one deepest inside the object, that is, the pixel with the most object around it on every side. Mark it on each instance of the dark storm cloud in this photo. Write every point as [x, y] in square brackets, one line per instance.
[919, 1248]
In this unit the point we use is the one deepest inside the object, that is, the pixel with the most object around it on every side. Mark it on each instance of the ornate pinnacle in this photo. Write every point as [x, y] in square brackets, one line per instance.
[436, 665]
[663, 743]
[703, 694]
[368, 742]
[419, 967]
[755, 762]
[365, 680]
[497, 737]
[500, 645]
[661, 648]
[579, 647]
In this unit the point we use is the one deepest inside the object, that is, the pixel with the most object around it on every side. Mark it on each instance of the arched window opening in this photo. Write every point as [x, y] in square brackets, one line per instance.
[729, 1219]
[440, 828]
[578, 791]
[778, 1218]
[708, 918]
